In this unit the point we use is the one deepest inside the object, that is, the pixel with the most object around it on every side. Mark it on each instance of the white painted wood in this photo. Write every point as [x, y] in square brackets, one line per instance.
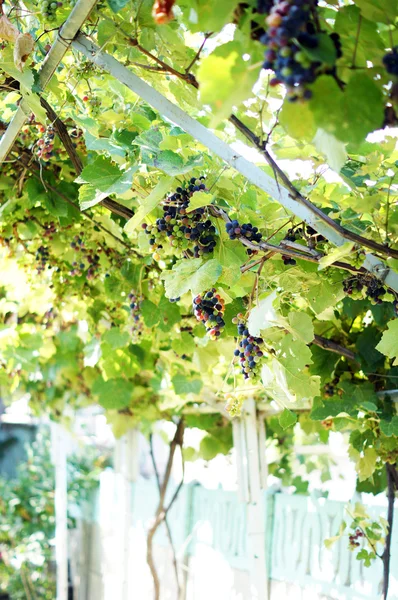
[58, 50]
[126, 468]
[198, 131]
[241, 469]
[59, 449]
[255, 506]
[262, 435]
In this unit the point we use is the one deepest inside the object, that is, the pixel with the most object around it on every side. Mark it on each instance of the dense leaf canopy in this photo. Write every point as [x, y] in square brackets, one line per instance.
[97, 309]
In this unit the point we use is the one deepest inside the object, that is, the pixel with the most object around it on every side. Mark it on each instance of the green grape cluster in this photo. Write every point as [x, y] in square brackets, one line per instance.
[233, 404]
[359, 286]
[93, 104]
[48, 8]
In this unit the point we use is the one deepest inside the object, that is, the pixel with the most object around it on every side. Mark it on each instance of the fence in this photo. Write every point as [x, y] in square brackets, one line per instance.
[209, 529]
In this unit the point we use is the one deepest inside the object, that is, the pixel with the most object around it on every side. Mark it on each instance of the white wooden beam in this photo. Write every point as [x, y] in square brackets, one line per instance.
[199, 132]
[58, 50]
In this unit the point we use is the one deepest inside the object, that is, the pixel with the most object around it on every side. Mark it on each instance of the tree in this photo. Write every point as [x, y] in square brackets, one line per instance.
[142, 272]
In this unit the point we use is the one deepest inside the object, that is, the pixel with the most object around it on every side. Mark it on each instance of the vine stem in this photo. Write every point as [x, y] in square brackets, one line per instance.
[392, 485]
[356, 41]
[169, 535]
[296, 195]
[162, 510]
[388, 206]
[332, 346]
[197, 55]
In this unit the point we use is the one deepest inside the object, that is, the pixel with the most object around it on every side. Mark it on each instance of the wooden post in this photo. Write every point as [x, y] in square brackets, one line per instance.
[126, 471]
[250, 485]
[59, 454]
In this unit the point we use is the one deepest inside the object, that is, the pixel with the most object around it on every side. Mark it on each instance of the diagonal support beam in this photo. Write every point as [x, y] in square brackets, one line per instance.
[58, 50]
[251, 171]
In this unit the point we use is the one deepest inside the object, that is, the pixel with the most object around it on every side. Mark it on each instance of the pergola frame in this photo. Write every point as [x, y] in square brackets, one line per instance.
[249, 431]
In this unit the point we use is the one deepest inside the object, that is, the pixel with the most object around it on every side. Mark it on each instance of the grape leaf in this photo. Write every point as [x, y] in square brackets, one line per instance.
[113, 287]
[383, 11]
[195, 274]
[225, 79]
[323, 295]
[322, 409]
[287, 418]
[301, 326]
[149, 204]
[116, 338]
[368, 45]
[201, 16]
[389, 341]
[231, 257]
[150, 312]
[170, 314]
[263, 316]
[298, 120]
[336, 254]
[332, 148]
[199, 199]
[184, 344]
[113, 394]
[366, 463]
[390, 428]
[182, 385]
[106, 176]
[324, 52]
[172, 164]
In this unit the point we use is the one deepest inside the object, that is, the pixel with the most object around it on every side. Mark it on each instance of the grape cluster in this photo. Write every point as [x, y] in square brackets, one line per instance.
[250, 349]
[246, 230]
[353, 539]
[356, 285]
[89, 260]
[290, 33]
[390, 61]
[294, 234]
[233, 404]
[209, 308]
[93, 104]
[189, 231]
[45, 145]
[264, 6]
[48, 8]
[48, 317]
[76, 135]
[135, 305]
[329, 390]
[42, 256]
[49, 230]
[288, 260]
